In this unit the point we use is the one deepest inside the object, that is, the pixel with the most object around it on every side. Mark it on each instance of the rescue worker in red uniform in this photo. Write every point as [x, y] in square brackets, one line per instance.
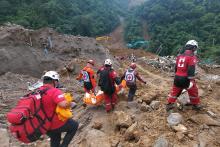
[53, 98]
[107, 81]
[87, 74]
[130, 77]
[185, 77]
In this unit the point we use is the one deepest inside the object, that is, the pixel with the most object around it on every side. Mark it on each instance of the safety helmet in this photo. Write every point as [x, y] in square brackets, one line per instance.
[91, 62]
[52, 74]
[133, 65]
[192, 43]
[108, 62]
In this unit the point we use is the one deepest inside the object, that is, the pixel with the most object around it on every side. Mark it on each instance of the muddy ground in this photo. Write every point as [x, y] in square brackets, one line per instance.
[139, 124]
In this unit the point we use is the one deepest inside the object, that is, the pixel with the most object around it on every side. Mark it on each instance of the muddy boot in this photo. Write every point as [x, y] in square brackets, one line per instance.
[170, 106]
[197, 107]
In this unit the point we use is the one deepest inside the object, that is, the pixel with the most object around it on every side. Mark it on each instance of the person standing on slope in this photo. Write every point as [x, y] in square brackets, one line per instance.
[53, 98]
[185, 77]
[87, 74]
[130, 77]
[108, 79]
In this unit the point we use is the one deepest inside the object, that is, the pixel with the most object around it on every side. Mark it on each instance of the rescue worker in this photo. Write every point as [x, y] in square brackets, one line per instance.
[54, 97]
[130, 77]
[107, 81]
[87, 74]
[185, 77]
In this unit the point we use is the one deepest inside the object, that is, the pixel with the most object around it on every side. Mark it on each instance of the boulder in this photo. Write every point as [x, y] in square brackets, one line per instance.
[121, 119]
[155, 105]
[4, 139]
[97, 125]
[131, 132]
[174, 119]
[144, 107]
[114, 141]
[149, 97]
[95, 138]
[180, 136]
[133, 105]
[179, 128]
[205, 139]
[204, 119]
[161, 142]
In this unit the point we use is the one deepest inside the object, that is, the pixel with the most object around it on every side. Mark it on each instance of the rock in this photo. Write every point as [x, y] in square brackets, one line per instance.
[161, 142]
[201, 92]
[2, 116]
[179, 128]
[203, 127]
[144, 141]
[133, 105]
[174, 119]
[180, 136]
[144, 107]
[114, 142]
[3, 105]
[97, 125]
[149, 97]
[155, 105]
[122, 130]
[190, 136]
[130, 132]
[204, 119]
[212, 114]
[121, 119]
[4, 139]
[139, 100]
[204, 139]
[95, 138]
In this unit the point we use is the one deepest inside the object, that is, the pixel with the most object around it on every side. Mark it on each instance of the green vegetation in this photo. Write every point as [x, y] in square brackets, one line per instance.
[84, 17]
[173, 22]
[170, 23]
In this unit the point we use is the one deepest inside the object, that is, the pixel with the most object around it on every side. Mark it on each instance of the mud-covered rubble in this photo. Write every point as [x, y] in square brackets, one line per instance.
[31, 52]
[141, 123]
[166, 63]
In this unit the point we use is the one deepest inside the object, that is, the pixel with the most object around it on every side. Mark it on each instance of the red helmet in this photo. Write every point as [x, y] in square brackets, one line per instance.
[91, 62]
[133, 65]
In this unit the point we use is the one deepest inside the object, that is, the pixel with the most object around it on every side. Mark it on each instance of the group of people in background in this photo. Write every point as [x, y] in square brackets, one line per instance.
[107, 81]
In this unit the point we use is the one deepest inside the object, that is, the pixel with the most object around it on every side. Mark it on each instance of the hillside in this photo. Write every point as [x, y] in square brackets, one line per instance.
[172, 23]
[142, 123]
[77, 17]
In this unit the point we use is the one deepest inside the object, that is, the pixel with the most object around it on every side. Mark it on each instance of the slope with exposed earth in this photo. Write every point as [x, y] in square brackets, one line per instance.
[139, 124]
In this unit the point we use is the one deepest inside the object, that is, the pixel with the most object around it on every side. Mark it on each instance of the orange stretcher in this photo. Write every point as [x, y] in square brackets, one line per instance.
[92, 99]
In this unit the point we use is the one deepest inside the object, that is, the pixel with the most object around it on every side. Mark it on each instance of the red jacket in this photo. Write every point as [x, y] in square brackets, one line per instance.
[50, 100]
[185, 64]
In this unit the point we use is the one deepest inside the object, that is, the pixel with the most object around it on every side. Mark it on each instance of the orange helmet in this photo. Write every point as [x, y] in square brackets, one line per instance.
[91, 62]
[133, 65]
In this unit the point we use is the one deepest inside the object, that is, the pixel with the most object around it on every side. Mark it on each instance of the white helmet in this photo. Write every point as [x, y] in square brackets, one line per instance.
[193, 43]
[52, 74]
[108, 62]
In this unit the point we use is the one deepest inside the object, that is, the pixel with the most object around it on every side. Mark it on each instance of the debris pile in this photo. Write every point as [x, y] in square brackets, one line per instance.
[166, 63]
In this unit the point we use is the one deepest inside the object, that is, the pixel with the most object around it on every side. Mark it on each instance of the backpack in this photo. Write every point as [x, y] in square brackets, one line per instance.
[28, 118]
[105, 82]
